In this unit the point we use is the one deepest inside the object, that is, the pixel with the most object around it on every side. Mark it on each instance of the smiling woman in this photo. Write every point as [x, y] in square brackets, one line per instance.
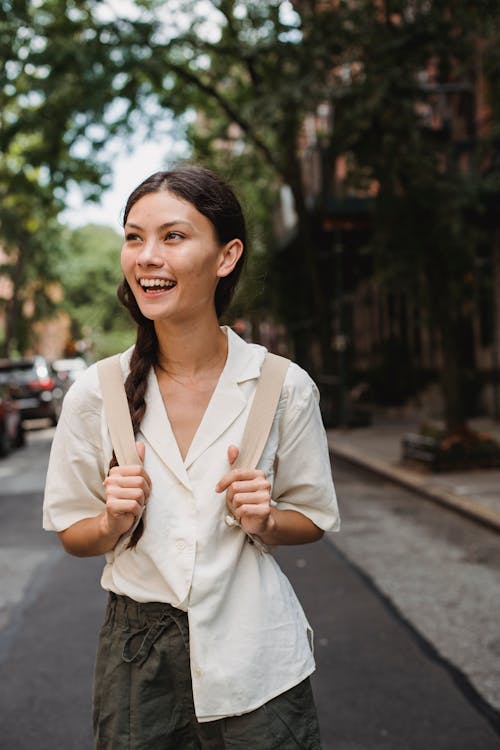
[203, 624]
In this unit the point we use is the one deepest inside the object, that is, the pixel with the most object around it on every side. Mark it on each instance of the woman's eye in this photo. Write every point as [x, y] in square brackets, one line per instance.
[131, 237]
[174, 236]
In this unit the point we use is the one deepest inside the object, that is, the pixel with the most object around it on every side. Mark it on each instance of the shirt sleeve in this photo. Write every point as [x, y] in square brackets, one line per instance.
[303, 476]
[74, 485]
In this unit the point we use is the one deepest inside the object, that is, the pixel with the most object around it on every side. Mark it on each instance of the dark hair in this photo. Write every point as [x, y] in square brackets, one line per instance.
[213, 198]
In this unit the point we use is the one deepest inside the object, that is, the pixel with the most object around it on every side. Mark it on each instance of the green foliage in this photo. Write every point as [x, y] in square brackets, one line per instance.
[251, 73]
[409, 116]
[90, 273]
[244, 75]
[67, 82]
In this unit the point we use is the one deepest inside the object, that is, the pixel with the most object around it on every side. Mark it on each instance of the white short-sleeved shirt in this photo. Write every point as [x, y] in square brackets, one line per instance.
[249, 637]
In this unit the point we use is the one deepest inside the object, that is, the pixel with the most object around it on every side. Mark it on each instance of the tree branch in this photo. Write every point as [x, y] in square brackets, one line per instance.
[211, 91]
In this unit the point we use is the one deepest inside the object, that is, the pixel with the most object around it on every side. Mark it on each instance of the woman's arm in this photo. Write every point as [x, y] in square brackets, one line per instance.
[88, 537]
[288, 527]
[127, 490]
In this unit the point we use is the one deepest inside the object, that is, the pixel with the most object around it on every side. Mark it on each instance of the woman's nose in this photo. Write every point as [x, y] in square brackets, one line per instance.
[150, 254]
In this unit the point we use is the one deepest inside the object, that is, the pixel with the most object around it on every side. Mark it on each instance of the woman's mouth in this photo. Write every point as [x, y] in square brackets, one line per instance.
[152, 287]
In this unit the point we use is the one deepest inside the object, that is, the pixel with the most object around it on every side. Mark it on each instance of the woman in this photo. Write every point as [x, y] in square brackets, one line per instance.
[204, 644]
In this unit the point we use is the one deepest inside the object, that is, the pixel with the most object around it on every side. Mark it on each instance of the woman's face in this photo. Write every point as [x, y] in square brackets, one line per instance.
[172, 259]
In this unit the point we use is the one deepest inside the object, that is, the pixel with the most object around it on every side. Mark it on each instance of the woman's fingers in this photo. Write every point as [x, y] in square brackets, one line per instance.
[125, 473]
[127, 491]
[244, 493]
[232, 454]
[123, 507]
[249, 500]
[141, 450]
[248, 494]
[238, 475]
[118, 480]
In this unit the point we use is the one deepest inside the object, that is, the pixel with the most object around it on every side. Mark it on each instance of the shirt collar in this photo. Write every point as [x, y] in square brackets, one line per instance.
[244, 361]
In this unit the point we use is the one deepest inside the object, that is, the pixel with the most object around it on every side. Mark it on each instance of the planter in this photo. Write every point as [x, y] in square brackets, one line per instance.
[451, 453]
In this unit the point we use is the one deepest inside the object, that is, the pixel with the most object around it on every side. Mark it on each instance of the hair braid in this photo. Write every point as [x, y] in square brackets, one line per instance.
[144, 356]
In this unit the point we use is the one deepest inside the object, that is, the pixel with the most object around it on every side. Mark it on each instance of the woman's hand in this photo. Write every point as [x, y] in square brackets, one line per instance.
[248, 496]
[127, 491]
[248, 499]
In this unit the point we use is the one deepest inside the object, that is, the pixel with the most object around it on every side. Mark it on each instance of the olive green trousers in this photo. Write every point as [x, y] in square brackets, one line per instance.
[143, 697]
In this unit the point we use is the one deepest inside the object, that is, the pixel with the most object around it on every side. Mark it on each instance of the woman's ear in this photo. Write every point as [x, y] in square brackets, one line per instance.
[230, 255]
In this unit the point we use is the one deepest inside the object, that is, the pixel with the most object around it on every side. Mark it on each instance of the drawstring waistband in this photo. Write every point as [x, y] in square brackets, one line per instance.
[148, 620]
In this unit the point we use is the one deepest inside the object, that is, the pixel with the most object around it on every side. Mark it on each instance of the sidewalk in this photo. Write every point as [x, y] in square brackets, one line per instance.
[377, 448]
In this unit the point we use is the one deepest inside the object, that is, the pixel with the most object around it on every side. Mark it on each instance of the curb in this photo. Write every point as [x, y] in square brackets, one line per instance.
[466, 505]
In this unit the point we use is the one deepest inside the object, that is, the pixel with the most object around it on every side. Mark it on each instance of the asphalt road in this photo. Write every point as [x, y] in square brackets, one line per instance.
[382, 596]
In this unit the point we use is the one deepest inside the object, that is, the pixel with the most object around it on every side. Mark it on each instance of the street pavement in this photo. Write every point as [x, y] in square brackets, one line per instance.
[377, 448]
[381, 682]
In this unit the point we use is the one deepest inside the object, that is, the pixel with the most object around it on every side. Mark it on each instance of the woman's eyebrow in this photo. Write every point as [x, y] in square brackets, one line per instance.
[169, 224]
[164, 226]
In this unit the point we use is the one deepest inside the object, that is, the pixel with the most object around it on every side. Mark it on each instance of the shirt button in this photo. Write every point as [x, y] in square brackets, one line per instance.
[198, 672]
[180, 544]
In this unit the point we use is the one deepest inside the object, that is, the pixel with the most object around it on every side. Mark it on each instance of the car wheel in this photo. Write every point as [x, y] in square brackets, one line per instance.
[20, 437]
[5, 444]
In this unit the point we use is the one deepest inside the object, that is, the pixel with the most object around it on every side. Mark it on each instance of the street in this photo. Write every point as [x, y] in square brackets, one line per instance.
[404, 602]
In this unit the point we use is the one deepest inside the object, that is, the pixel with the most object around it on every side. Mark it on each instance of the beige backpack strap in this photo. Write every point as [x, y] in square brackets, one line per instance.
[259, 423]
[262, 411]
[117, 411]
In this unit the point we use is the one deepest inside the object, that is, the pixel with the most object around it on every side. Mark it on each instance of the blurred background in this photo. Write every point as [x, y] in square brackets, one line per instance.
[363, 138]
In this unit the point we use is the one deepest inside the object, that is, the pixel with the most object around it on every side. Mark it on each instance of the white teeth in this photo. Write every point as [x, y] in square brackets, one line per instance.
[160, 283]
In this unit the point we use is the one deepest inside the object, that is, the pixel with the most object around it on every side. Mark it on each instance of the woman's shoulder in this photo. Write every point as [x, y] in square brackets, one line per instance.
[298, 386]
[85, 393]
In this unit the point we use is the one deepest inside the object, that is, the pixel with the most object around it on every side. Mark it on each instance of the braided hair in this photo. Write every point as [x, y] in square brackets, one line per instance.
[213, 198]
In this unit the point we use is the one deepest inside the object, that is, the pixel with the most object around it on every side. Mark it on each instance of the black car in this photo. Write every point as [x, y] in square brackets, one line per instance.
[34, 386]
[11, 427]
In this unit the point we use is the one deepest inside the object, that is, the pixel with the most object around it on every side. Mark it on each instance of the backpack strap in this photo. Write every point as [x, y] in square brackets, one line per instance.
[117, 411]
[258, 425]
[264, 405]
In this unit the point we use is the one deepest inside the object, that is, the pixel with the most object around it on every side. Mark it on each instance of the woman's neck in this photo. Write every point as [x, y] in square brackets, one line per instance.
[191, 350]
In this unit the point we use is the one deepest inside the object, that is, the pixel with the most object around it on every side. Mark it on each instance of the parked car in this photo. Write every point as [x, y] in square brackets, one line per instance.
[69, 369]
[34, 386]
[11, 425]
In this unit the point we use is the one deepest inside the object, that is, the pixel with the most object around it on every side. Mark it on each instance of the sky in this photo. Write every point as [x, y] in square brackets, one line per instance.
[133, 163]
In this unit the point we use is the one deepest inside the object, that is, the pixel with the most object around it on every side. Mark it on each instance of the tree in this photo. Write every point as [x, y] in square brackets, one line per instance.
[62, 81]
[264, 69]
[251, 74]
[408, 115]
[90, 272]
[387, 70]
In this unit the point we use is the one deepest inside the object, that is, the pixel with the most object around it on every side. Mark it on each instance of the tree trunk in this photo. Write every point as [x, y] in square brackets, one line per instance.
[452, 382]
[322, 317]
[495, 350]
[445, 314]
[443, 304]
